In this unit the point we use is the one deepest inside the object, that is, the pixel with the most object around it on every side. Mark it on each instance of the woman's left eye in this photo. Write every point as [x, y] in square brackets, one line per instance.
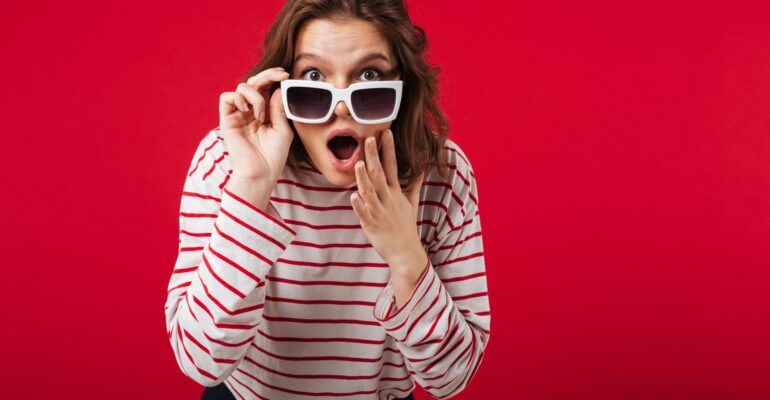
[371, 73]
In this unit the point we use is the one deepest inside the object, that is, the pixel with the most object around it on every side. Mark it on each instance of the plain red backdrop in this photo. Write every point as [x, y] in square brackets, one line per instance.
[622, 153]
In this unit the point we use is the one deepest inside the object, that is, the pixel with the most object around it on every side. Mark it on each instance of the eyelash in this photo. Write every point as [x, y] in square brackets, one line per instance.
[306, 70]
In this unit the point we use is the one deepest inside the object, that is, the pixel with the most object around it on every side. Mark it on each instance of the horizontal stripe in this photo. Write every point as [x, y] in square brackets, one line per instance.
[327, 358]
[330, 283]
[295, 319]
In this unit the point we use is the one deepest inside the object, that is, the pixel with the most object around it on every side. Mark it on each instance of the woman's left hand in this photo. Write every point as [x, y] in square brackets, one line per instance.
[388, 216]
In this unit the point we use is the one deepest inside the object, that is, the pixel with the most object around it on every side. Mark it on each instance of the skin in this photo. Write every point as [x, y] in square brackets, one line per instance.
[342, 45]
[388, 216]
[386, 212]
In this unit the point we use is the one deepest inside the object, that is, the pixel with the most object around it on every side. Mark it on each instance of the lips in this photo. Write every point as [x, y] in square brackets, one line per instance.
[344, 147]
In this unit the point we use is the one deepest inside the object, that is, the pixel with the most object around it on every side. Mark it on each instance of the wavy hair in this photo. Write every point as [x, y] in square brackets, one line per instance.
[420, 129]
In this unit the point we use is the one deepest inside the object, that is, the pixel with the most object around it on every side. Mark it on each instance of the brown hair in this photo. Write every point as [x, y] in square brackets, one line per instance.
[420, 130]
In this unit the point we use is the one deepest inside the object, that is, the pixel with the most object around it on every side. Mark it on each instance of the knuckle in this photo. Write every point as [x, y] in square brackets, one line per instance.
[369, 190]
[256, 79]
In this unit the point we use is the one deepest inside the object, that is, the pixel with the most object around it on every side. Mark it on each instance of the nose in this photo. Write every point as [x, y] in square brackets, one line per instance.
[341, 110]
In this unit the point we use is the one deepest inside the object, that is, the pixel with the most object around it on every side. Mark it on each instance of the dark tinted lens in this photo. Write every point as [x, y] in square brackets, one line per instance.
[373, 103]
[308, 102]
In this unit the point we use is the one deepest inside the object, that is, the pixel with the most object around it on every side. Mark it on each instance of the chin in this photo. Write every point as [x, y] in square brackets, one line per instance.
[338, 178]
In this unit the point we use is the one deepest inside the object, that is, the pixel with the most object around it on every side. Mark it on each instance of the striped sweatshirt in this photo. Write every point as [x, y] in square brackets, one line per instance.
[293, 302]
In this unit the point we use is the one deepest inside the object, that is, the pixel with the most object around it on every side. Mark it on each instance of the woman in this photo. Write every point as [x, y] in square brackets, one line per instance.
[300, 272]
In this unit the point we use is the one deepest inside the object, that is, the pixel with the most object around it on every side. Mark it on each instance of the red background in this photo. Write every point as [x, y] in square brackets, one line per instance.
[622, 154]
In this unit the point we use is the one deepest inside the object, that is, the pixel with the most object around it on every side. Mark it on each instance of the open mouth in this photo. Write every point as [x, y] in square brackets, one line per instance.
[343, 147]
[344, 152]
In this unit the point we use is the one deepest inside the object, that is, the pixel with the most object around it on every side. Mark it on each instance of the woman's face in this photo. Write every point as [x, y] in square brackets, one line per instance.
[340, 53]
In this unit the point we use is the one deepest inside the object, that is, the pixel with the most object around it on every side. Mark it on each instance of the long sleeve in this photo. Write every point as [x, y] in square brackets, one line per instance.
[443, 328]
[216, 291]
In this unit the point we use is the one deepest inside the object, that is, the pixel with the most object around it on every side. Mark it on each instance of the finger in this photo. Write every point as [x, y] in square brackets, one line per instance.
[374, 167]
[361, 212]
[264, 79]
[261, 83]
[389, 159]
[254, 98]
[228, 103]
[278, 114]
[365, 188]
[241, 102]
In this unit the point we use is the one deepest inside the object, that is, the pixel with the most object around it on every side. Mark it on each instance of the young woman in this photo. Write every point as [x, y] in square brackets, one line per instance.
[330, 241]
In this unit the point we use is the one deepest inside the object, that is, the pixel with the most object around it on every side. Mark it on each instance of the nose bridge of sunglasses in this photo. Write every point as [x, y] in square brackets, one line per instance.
[340, 98]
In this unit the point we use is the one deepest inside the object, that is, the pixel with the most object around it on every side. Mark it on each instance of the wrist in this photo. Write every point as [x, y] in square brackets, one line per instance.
[255, 191]
[409, 264]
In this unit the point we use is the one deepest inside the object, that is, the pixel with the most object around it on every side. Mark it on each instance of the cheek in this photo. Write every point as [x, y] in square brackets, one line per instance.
[311, 136]
[379, 131]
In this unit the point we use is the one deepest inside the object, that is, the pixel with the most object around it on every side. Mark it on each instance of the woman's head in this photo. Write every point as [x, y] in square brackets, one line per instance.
[343, 42]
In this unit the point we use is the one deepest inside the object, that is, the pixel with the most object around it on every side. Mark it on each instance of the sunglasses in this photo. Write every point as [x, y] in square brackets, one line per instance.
[313, 102]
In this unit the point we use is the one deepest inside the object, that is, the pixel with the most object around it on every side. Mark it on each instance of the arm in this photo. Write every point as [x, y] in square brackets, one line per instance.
[443, 327]
[217, 288]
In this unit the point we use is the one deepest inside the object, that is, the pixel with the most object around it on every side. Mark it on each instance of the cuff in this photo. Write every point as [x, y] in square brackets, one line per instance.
[400, 323]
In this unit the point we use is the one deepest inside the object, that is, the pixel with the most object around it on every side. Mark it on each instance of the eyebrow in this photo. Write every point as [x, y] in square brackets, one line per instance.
[368, 57]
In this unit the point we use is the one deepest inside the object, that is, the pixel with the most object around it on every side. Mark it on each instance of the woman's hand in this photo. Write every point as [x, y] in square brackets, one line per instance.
[388, 216]
[258, 140]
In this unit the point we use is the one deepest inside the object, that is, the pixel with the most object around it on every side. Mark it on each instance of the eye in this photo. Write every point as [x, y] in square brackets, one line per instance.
[314, 73]
[371, 73]
[368, 74]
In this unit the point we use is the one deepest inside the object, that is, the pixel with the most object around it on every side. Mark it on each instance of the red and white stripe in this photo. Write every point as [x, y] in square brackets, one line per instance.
[295, 303]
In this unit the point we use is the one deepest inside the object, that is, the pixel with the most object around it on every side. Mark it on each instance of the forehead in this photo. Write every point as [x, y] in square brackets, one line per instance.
[341, 41]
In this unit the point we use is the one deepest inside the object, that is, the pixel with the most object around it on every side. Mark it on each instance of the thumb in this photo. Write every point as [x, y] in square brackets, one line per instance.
[278, 114]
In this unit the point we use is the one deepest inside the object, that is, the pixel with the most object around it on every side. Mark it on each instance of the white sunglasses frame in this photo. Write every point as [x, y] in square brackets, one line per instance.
[341, 95]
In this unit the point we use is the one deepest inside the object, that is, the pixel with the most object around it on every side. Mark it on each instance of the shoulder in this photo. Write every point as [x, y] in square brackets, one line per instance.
[458, 163]
[210, 143]
[211, 162]
[458, 193]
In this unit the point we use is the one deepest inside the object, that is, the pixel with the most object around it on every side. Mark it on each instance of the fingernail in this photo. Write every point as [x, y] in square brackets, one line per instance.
[261, 116]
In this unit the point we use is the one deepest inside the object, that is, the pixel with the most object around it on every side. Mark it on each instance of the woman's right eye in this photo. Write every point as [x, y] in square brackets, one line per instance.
[313, 73]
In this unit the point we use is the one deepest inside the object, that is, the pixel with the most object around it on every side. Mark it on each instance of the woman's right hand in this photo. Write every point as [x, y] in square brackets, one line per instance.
[257, 139]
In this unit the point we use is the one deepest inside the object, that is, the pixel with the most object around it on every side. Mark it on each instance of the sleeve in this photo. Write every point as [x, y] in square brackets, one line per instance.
[443, 328]
[217, 287]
